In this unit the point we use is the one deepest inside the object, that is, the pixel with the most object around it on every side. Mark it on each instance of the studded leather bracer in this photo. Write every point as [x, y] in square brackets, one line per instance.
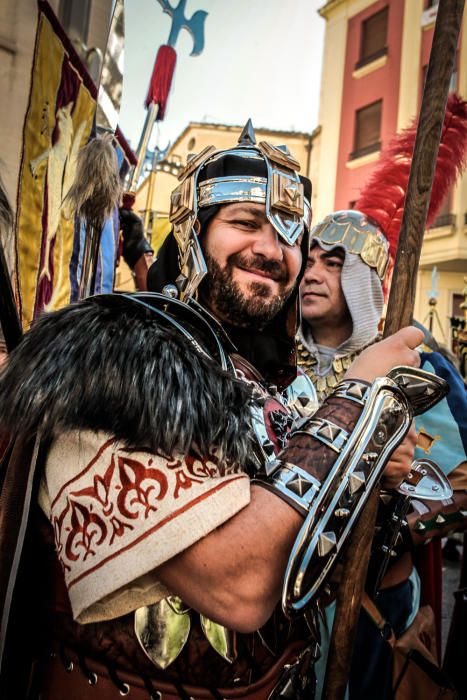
[331, 463]
[428, 520]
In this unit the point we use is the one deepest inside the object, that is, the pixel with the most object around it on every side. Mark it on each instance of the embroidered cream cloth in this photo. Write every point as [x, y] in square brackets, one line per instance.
[118, 514]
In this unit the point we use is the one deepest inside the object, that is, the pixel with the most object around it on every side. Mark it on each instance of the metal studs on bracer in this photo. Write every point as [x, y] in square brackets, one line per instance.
[389, 405]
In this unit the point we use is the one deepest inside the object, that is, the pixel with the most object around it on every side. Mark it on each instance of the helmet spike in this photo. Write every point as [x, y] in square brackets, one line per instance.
[247, 137]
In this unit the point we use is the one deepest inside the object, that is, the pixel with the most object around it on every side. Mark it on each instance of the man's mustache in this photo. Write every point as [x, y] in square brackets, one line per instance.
[276, 270]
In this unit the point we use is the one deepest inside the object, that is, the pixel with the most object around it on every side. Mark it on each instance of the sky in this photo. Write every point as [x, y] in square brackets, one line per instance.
[262, 59]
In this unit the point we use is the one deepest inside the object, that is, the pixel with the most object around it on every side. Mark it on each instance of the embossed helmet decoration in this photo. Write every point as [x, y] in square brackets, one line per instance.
[260, 173]
[358, 234]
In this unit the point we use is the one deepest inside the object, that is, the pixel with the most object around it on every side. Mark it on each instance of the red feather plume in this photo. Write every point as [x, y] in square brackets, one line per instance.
[383, 195]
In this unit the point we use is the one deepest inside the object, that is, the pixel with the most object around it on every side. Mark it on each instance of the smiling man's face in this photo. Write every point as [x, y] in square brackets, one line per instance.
[252, 272]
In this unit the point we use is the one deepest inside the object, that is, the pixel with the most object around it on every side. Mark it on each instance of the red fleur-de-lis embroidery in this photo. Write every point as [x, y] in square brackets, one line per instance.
[87, 531]
[118, 528]
[183, 481]
[57, 523]
[100, 489]
[141, 486]
[201, 467]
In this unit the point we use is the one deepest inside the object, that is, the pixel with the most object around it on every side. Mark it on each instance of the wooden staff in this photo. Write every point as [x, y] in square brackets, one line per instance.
[400, 311]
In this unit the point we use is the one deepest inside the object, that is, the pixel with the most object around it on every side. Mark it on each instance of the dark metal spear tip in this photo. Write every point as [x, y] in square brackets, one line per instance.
[247, 137]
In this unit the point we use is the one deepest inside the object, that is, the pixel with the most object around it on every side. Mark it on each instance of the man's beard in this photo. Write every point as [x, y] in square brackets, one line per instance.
[224, 295]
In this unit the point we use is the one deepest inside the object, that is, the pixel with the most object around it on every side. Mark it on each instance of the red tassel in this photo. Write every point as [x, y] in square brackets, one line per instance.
[161, 79]
[383, 195]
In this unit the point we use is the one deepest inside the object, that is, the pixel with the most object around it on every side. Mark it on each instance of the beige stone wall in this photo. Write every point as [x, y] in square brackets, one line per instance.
[162, 186]
[313, 172]
[224, 136]
[99, 21]
[410, 63]
[332, 79]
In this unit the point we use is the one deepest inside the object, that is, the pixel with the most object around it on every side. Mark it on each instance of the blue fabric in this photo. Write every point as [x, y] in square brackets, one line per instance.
[107, 256]
[371, 673]
[106, 261]
[414, 579]
[321, 663]
[447, 421]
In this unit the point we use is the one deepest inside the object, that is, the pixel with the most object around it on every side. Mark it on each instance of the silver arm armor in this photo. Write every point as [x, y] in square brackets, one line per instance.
[350, 462]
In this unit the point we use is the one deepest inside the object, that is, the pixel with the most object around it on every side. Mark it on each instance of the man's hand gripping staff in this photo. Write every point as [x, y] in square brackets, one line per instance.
[333, 459]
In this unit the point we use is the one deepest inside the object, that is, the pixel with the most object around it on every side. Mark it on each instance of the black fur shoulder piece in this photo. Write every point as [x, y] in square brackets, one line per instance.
[118, 368]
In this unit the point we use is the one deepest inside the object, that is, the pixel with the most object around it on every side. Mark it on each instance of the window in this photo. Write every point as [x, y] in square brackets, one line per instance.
[367, 130]
[74, 17]
[374, 36]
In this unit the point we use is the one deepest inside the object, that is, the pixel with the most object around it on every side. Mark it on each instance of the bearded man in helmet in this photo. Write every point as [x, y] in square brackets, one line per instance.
[183, 473]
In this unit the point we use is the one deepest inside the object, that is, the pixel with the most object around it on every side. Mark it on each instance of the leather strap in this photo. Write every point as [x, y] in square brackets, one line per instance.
[380, 622]
[86, 679]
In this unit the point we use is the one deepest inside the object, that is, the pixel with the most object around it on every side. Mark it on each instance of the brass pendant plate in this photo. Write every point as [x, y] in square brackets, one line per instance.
[220, 638]
[162, 630]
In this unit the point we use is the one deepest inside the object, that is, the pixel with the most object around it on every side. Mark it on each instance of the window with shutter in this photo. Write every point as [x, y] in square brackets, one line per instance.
[374, 38]
[367, 130]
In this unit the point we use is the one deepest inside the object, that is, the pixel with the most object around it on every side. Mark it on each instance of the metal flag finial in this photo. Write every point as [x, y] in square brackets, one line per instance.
[194, 25]
[247, 137]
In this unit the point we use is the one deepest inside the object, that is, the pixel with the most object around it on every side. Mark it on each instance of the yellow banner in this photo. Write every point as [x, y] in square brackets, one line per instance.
[160, 229]
[58, 123]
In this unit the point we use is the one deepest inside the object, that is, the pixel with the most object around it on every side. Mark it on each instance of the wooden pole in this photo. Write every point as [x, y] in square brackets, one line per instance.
[400, 311]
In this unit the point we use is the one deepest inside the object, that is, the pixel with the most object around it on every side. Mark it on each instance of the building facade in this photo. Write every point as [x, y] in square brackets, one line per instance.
[375, 57]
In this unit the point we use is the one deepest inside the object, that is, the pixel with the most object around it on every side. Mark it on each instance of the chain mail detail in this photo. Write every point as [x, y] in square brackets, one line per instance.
[325, 384]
